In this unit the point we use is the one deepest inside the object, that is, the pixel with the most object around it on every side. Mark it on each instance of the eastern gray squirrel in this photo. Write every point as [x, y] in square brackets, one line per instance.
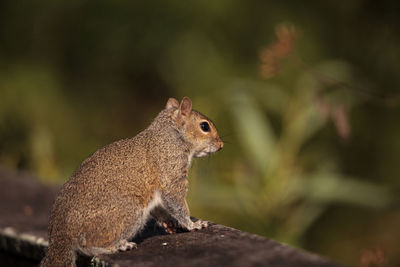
[112, 194]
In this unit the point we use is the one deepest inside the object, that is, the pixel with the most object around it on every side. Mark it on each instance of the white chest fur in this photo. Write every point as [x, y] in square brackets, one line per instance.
[155, 202]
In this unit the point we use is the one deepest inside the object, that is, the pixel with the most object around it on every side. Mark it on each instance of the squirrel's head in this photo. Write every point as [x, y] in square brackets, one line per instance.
[196, 128]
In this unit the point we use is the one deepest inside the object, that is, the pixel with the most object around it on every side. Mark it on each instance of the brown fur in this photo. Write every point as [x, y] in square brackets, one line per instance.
[110, 196]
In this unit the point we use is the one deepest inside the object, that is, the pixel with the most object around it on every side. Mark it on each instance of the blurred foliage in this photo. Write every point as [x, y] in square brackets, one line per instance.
[306, 99]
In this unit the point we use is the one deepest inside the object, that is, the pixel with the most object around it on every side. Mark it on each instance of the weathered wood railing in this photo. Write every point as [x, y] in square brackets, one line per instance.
[24, 209]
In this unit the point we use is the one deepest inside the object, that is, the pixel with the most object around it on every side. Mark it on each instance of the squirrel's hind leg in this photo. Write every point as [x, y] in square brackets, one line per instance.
[94, 251]
[122, 245]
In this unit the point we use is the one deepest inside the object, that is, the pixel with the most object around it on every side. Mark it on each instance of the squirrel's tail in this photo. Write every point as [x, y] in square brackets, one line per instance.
[59, 255]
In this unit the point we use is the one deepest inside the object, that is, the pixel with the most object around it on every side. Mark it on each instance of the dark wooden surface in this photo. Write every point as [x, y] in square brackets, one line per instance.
[24, 211]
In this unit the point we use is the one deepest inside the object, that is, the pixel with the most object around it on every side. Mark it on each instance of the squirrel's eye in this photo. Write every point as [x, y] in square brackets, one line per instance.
[205, 127]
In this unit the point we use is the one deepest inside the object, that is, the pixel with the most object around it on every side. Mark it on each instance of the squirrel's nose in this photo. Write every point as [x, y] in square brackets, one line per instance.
[221, 144]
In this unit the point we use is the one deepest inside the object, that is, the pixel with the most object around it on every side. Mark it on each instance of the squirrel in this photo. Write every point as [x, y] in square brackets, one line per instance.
[111, 196]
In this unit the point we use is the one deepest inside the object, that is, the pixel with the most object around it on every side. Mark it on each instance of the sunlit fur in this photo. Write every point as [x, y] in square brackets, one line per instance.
[110, 197]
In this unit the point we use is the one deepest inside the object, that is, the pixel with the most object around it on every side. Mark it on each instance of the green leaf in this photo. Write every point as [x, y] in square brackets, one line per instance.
[330, 188]
[253, 128]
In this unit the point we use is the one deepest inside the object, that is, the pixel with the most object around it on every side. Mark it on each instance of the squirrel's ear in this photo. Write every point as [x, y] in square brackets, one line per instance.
[186, 106]
[172, 103]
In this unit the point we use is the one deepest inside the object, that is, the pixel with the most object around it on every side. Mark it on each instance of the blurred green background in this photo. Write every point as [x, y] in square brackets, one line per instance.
[305, 95]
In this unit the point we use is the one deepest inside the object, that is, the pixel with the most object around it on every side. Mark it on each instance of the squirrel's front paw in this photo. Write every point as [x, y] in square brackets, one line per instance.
[197, 225]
